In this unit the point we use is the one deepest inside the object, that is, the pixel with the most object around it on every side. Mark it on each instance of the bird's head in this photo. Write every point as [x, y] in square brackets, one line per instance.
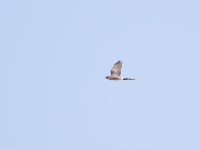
[107, 77]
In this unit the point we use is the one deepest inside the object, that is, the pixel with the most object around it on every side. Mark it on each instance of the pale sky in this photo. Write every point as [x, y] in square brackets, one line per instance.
[54, 56]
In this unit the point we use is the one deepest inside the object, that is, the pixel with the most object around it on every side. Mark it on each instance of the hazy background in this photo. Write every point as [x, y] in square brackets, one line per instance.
[54, 56]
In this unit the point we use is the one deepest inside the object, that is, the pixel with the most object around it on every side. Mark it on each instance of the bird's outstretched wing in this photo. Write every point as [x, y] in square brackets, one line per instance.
[116, 70]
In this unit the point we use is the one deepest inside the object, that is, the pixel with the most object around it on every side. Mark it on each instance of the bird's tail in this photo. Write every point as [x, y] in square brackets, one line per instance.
[128, 79]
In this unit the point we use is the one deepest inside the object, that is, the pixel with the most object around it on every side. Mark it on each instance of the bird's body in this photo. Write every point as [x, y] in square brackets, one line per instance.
[114, 78]
[116, 72]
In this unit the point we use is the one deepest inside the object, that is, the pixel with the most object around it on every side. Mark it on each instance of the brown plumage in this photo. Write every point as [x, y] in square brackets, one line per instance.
[116, 72]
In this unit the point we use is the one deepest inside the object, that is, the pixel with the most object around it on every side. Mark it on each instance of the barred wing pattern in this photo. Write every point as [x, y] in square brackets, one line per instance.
[116, 70]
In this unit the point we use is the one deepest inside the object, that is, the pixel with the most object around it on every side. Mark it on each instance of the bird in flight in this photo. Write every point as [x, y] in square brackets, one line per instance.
[116, 72]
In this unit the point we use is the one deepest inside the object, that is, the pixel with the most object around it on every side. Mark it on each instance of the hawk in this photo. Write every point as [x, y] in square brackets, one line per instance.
[116, 72]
